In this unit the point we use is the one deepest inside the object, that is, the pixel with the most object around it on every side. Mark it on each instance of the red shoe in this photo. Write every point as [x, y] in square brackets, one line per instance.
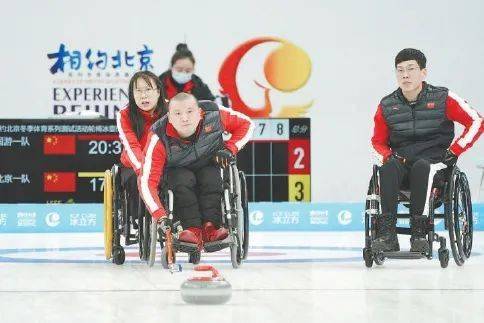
[191, 235]
[211, 233]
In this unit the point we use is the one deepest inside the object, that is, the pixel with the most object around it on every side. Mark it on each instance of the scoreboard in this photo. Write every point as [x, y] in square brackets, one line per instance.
[63, 160]
[56, 160]
[277, 162]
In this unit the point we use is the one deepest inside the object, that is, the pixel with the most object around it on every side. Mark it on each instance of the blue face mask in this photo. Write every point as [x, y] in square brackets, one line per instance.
[181, 77]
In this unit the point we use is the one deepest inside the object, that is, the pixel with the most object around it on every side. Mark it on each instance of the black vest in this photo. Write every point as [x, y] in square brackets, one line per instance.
[421, 130]
[202, 149]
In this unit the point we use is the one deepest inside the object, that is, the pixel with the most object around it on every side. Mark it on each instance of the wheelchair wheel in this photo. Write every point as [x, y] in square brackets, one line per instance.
[118, 255]
[379, 259]
[372, 209]
[235, 256]
[444, 257]
[118, 214]
[459, 217]
[245, 209]
[141, 235]
[146, 241]
[151, 239]
[468, 227]
[241, 241]
[368, 257]
[108, 214]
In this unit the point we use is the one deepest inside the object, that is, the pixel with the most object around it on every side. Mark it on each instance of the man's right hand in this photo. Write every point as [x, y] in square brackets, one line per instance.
[165, 224]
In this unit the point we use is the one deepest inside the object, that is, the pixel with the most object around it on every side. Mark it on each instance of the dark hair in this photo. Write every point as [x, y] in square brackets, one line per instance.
[182, 52]
[409, 54]
[137, 121]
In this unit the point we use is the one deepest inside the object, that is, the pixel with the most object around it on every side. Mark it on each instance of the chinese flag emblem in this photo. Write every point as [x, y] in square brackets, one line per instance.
[208, 128]
[59, 144]
[60, 182]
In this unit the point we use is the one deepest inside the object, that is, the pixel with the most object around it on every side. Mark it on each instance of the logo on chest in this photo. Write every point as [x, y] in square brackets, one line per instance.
[208, 128]
[430, 105]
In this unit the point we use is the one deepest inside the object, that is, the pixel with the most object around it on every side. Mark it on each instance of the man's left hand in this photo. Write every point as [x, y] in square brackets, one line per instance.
[450, 159]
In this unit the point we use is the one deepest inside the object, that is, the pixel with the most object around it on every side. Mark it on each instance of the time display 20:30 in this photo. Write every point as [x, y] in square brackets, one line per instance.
[104, 147]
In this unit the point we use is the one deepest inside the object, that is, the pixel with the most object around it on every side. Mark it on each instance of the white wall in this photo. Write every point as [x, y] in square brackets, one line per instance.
[352, 45]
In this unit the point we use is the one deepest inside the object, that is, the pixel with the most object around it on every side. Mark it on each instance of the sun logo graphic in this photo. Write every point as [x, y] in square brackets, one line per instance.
[287, 68]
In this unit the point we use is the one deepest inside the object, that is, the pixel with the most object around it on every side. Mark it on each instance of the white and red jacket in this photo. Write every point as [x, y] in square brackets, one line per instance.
[132, 155]
[235, 123]
[456, 109]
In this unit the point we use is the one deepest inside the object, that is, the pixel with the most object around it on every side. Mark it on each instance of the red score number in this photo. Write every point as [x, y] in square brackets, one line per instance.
[299, 156]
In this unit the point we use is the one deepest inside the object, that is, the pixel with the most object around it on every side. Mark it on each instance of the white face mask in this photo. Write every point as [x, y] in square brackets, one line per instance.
[181, 77]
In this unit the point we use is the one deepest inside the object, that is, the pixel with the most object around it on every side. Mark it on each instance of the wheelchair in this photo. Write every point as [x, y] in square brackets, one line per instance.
[117, 222]
[453, 192]
[145, 232]
[235, 217]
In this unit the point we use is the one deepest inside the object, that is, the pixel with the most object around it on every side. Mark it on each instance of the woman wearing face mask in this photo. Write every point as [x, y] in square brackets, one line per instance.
[146, 105]
[180, 77]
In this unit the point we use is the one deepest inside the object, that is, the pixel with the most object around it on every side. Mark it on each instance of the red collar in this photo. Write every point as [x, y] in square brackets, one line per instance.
[147, 116]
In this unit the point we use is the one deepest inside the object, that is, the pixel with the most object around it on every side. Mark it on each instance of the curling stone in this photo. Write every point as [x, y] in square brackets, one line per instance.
[213, 289]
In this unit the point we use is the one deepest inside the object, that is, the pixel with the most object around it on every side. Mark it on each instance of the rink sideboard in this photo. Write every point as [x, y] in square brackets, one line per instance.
[63, 160]
[263, 216]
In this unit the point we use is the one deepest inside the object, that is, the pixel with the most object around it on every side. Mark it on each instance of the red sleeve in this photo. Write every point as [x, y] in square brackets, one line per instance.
[148, 182]
[380, 138]
[131, 145]
[239, 126]
[460, 111]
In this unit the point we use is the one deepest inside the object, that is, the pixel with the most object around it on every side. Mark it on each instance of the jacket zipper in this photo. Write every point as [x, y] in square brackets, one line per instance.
[413, 120]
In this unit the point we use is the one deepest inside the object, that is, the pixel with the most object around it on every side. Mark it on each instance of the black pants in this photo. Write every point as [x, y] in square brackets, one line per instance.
[197, 194]
[129, 183]
[394, 176]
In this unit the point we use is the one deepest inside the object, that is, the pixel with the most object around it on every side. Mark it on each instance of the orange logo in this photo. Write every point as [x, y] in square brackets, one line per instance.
[287, 69]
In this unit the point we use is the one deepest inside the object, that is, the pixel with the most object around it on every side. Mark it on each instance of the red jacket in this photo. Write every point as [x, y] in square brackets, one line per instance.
[457, 110]
[132, 155]
[237, 124]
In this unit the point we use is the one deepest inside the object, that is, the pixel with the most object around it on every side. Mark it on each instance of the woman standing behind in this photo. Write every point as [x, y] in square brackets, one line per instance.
[146, 105]
[180, 76]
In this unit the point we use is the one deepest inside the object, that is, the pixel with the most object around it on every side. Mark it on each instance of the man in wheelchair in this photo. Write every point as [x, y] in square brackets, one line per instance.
[185, 150]
[414, 128]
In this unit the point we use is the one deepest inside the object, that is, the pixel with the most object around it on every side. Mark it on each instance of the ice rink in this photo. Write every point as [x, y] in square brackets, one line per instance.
[288, 277]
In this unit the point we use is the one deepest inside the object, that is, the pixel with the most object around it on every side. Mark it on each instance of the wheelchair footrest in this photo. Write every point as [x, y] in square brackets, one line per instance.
[403, 255]
[218, 245]
[181, 246]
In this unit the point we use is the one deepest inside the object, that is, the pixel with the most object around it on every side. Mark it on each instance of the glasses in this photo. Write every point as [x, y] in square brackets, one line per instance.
[410, 70]
[148, 91]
